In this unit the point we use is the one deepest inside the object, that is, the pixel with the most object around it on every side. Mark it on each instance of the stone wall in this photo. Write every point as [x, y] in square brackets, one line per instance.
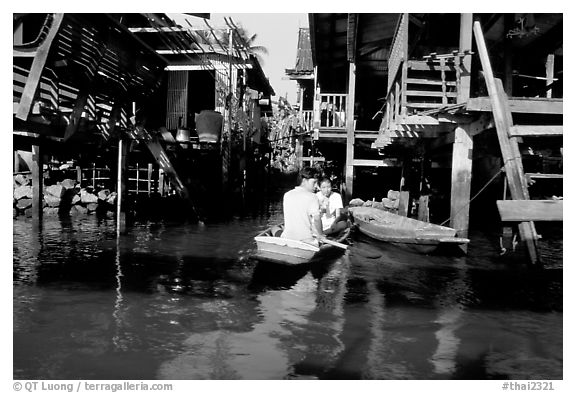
[63, 197]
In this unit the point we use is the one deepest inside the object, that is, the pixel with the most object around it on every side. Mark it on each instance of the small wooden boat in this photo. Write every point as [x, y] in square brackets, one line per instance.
[389, 227]
[273, 248]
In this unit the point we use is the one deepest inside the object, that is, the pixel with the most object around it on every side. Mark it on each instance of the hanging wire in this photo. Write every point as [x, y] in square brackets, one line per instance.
[474, 197]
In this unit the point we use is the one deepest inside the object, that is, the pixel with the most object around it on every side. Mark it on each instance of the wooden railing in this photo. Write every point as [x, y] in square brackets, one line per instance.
[143, 180]
[307, 119]
[333, 110]
[393, 109]
[417, 85]
[398, 49]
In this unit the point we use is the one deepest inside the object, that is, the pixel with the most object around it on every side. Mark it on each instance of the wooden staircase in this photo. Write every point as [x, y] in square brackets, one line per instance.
[521, 208]
[432, 83]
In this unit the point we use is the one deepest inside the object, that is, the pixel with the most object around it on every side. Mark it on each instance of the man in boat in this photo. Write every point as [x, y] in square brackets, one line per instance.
[332, 212]
[302, 210]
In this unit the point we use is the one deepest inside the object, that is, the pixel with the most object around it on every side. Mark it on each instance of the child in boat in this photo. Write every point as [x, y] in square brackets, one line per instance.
[331, 208]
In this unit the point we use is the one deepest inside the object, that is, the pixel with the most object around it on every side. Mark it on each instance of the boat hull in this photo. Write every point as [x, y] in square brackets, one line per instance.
[292, 252]
[403, 231]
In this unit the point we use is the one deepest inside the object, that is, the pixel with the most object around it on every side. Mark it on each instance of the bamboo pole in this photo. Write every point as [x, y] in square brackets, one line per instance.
[120, 215]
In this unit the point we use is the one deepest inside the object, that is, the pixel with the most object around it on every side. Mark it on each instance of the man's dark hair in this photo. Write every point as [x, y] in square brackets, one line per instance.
[307, 173]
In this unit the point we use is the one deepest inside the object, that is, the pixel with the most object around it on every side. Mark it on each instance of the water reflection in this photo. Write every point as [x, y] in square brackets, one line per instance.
[119, 343]
[449, 319]
[187, 302]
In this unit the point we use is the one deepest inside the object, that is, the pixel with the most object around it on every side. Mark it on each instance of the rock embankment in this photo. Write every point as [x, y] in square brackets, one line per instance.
[64, 197]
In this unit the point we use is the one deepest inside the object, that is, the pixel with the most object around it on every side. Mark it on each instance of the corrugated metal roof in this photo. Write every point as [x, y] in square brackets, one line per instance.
[304, 55]
[304, 64]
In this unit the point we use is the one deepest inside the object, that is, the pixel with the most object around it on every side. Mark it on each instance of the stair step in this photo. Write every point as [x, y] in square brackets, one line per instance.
[418, 81]
[419, 93]
[544, 175]
[530, 210]
[527, 130]
[430, 66]
[424, 105]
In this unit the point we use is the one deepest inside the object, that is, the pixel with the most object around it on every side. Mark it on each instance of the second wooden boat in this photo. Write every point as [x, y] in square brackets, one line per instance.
[389, 227]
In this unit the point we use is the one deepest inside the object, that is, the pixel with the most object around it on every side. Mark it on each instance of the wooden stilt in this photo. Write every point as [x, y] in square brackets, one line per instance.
[466, 21]
[300, 152]
[350, 130]
[161, 182]
[94, 175]
[423, 211]
[316, 103]
[549, 74]
[37, 185]
[461, 180]
[300, 139]
[16, 161]
[507, 53]
[149, 178]
[402, 176]
[404, 203]
[227, 146]
[79, 175]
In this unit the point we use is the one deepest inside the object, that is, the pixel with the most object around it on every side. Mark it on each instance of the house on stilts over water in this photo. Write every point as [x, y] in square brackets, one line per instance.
[132, 105]
[461, 114]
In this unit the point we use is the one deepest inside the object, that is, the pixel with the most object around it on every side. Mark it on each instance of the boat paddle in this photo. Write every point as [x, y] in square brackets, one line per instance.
[333, 243]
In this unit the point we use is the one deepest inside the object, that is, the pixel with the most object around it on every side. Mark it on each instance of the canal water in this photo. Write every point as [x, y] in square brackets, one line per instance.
[173, 300]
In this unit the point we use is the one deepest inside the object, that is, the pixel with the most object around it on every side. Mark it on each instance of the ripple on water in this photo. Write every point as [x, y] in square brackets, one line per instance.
[186, 301]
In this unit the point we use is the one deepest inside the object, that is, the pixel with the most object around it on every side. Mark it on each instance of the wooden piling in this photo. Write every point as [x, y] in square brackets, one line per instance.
[300, 152]
[149, 179]
[463, 143]
[423, 211]
[404, 203]
[461, 179]
[16, 161]
[350, 130]
[161, 182]
[549, 74]
[37, 185]
[466, 21]
[79, 175]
